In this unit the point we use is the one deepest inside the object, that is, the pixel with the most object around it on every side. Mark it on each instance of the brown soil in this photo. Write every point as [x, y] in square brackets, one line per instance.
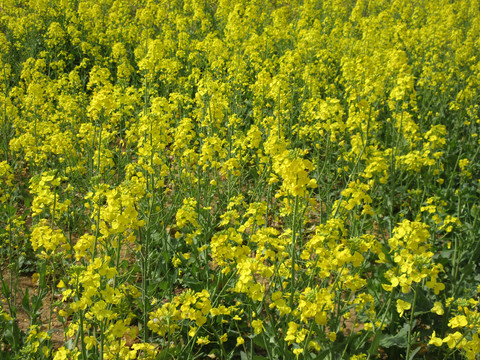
[23, 319]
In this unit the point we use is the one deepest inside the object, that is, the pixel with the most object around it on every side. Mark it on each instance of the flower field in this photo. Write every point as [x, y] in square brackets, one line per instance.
[251, 179]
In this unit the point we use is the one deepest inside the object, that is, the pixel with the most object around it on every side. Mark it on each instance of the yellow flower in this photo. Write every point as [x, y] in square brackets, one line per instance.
[61, 354]
[297, 352]
[223, 338]
[453, 339]
[332, 336]
[292, 330]
[240, 341]
[90, 341]
[257, 326]
[437, 308]
[313, 345]
[358, 357]
[203, 340]
[435, 340]
[458, 321]
[402, 306]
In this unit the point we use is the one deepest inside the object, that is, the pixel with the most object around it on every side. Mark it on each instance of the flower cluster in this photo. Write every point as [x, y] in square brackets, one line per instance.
[204, 178]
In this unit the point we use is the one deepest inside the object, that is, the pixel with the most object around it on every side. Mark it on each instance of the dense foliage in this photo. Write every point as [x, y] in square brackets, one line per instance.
[250, 179]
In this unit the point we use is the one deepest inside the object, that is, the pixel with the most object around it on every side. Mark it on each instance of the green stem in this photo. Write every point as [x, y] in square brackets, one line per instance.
[410, 325]
[51, 299]
[99, 149]
[294, 251]
[82, 336]
[349, 179]
[382, 322]
[102, 337]
[97, 231]
[145, 286]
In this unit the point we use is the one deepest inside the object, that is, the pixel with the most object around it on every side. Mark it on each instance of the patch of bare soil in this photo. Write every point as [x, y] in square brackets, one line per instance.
[48, 316]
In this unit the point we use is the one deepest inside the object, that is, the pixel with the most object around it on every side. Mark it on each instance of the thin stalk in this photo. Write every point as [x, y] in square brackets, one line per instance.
[102, 338]
[82, 336]
[5, 125]
[222, 348]
[117, 259]
[293, 255]
[10, 251]
[97, 231]
[349, 179]
[381, 323]
[410, 324]
[99, 148]
[53, 209]
[51, 300]
[145, 286]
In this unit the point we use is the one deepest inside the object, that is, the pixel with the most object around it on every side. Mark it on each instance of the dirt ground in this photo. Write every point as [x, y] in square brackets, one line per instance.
[23, 319]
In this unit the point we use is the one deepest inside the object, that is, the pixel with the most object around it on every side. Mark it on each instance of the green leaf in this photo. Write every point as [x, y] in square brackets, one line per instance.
[165, 354]
[163, 285]
[373, 349]
[26, 302]
[398, 340]
[43, 271]
[258, 341]
[5, 289]
[13, 336]
[414, 352]
[447, 254]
